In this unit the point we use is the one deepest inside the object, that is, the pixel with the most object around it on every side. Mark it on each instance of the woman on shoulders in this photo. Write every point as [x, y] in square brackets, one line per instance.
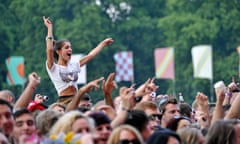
[62, 72]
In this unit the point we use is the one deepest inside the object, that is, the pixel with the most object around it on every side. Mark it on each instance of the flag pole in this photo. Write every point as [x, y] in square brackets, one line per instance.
[174, 91]
[238, 50]
[211, 82]
[211, 90]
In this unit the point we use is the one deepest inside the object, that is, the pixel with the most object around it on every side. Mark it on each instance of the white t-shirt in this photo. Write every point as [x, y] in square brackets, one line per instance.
[64, 76]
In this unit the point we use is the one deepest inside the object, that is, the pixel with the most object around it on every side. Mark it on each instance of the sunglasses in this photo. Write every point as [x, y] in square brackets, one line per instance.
[126, 141]
[154, 116]
[163, 100]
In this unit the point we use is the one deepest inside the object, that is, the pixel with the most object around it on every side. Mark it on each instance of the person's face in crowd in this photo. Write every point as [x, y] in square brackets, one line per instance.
[24, 125]
[147, 131]
[58, 108]
[183, 123]
[200, 114]
[201, 118]
[39, 98]
[172, 140]
[65, 52]
[85, 104]
[127, 137]
[171, 110]
[3, 139]
[6, 120]
[237, 130]
[192, 117]
[103, 131]
[81, 125]
[154, 117]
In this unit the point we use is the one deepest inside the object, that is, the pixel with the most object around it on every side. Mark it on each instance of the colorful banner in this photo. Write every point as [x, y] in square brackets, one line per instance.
[124, 66]
[82, 76]
[15, 66]
[202, 61]
[164, 63]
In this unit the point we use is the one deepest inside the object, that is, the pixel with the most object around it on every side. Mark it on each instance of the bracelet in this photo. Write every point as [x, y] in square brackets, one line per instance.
[49, 38]
[228, 94]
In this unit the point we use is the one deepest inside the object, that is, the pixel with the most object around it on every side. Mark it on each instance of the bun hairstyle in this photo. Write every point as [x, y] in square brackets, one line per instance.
[57, 45]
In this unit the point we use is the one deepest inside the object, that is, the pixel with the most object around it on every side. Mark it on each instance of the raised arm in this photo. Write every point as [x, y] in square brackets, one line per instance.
[88, 87]
[218, 111]
[108, 86]
[202, 101]
[49, 42]
[128, 102]
[234, 111]
[95, 51]
[26, 95]
[146, 89]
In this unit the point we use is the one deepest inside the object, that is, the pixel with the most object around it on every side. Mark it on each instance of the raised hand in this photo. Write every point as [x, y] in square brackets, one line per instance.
[233, 85]
[141, 91]
[202, 100]
[84, 89]
[128, 97]
[47, 22]
[92, 85]
[152, 87]
[34, 79]
[109, 85]
[107, 41]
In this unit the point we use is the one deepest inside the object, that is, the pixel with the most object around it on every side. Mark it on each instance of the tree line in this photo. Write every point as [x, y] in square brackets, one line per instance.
[139, 26]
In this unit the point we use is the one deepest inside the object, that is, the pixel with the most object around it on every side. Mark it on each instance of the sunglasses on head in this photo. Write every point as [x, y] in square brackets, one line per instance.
[182, 117]
[126, 141]
[163, 100]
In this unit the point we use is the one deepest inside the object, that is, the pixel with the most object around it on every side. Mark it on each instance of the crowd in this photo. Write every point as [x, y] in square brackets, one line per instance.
[137, 115]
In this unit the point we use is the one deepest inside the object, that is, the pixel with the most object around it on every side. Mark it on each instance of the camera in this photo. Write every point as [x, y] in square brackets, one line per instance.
[153, 94]
[45, 98]
[138, 98]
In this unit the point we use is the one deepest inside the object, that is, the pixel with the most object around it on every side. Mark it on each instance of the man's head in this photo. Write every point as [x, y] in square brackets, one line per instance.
[85, 101]
[102, 124]
[40, 98]
[139, 120]
[151, 110]
[169, 108]
[24, 123]
[6, 118]
[7, 95]
[58, 107]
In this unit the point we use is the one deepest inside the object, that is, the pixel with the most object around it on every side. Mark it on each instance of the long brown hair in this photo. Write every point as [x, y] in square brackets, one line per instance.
[57, 45]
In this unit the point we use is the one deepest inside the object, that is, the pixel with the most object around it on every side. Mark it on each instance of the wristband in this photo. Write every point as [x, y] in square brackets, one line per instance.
[49, 38]
[228, 94]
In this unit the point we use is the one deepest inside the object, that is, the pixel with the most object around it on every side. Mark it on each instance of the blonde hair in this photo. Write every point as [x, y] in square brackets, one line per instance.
[46, 119]
[146, 105]
[64, 124]
[52, 106]
[115, 135]
[189, 135]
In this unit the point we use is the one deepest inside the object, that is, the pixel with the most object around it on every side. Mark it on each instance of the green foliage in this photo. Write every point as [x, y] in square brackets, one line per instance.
[139, 26]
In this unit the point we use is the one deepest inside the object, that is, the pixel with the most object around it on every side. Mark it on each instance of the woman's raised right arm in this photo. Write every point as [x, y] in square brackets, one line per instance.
[49, 42]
